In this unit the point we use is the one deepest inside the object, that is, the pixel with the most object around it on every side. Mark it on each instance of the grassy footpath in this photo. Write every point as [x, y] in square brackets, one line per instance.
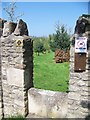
[49, 75]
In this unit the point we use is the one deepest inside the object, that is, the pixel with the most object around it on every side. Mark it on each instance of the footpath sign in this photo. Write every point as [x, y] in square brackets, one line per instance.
[81, 45]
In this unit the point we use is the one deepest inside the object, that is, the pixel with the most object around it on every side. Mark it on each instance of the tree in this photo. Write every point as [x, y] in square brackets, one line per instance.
[41, 40]
[39, 46]
[10, 10]
[61, 39]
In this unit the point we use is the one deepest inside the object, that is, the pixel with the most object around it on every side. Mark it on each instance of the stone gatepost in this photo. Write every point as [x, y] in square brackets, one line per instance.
[17, 68]
[79, 84]
[0, 85]
[1, 93]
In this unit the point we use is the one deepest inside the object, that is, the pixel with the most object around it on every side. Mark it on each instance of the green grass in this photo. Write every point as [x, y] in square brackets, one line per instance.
[49, 75]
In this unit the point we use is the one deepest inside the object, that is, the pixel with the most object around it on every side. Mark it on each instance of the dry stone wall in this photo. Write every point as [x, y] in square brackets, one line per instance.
[17, 70]
[1, 27]
[0, 85]
[79, 83]
[47, 104]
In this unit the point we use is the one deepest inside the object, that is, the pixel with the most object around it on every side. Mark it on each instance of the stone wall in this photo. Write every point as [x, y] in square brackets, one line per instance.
[0, 85]
[78, 97]
[16, 69]
[1, 26]
[47, 104]
[79, 83]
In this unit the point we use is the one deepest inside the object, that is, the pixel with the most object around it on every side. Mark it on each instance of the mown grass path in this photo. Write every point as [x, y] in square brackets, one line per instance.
[49, 75]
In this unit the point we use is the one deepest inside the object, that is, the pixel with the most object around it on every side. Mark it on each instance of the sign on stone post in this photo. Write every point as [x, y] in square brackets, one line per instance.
[80, 54]
[81, 45]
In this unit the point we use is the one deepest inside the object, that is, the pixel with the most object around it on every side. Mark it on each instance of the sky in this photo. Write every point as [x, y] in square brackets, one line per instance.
[42, 17]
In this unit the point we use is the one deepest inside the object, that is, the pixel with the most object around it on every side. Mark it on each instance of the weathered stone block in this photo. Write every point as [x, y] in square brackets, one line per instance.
[47, 103]
[21, 28]
[9, 28]
[15, 77]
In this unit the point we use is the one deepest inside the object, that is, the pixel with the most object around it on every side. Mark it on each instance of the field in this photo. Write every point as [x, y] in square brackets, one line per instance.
[49, 75]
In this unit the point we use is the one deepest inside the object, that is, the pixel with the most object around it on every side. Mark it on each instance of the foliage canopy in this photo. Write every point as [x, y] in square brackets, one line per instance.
[61, 39]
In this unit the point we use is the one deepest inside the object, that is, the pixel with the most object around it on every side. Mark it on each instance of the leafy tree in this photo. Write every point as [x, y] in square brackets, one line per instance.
[45, 41]
[39, 46]
[60, 40]
[41, 40]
